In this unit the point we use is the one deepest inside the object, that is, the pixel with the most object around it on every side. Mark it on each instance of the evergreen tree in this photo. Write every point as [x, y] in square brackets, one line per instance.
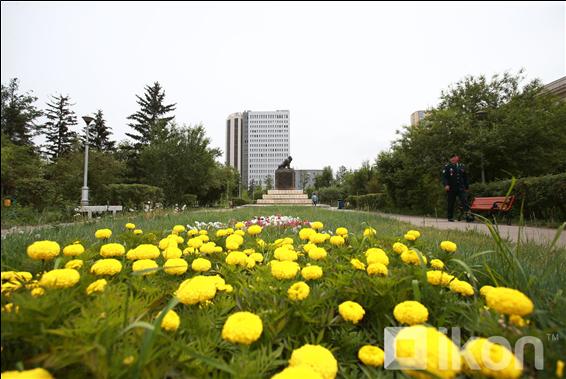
[18, 114]
[150, 122]
[59, 136]
[99, 134]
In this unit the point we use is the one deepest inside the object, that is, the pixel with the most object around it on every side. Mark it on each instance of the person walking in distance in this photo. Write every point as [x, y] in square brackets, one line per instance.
[455, 181]
[314, 199]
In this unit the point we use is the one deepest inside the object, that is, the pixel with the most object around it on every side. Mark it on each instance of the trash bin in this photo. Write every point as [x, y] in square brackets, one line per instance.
[340, 204]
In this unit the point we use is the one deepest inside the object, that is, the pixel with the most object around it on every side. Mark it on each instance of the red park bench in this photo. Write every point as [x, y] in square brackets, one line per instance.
[493, 205]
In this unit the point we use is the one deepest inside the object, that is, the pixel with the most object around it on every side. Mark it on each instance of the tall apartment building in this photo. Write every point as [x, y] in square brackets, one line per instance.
[417, 117]
[259, 146]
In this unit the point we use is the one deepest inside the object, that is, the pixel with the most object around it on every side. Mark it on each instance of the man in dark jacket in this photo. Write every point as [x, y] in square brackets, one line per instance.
[455, 180]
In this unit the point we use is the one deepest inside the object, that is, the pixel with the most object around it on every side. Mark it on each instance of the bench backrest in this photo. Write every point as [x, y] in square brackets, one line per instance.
[501, 203]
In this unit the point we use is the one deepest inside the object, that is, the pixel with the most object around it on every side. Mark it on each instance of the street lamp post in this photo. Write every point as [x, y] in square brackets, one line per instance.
[84, 190]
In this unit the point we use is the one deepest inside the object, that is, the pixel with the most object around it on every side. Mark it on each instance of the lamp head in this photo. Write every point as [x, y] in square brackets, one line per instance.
[88, 119]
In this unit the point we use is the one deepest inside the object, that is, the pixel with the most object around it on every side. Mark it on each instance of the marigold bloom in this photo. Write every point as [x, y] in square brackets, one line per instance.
[237, 258]
[242, 327]
[369, 232]
[311, 272]
[412, 257]
[371, 355]
[73, 250]
[195, 243]
[375, 255]
[462, 287]
[342, 232]
[257, 257]
[96, 286]
[448, 246]
[358, 265]
[172, 252]
[399, 248]
[559, 368]
[234, 241]
[316, 357]
[297, 372]
[410, 312]
[103, 234]
[491, 359]
[208, 248]
[130, 226]
[298, 291]
[60, 278]
[439, 278]
[377, 269]
[351, 311]
[518, 321]
[437, 264]
[175, 266]
[75, 264]
[337, 241]
[198, 289]
[144, 251]
[317, 238]
[509, 301]
[254, 230]
[106, 267]
[43, 250]
[317, 225]
[137, 232]
[145, 264]
[410, 237]
[485, 289]
[192, 232]
[171, 321]
[416, 233]
[284, 270]
[110, 250]
[37, 292]
[201, 265]
[317, 253]
[36, 373]
[179, 229]
[425, 348]
[306, 233]
[19, 276]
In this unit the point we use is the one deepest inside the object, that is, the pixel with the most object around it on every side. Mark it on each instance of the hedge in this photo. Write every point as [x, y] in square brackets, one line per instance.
[330, 195]
[371, 201]
[132, 195]
[544, 196]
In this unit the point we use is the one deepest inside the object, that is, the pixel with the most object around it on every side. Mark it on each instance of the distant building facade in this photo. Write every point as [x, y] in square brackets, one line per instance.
[305, 178]
[234, 141]
[558, 88]
[417, 117]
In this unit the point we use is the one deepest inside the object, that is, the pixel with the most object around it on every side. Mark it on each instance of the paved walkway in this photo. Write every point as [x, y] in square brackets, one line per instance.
[540, 236]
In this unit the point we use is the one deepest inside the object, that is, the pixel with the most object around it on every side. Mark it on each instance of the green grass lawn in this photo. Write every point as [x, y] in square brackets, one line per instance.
[77, 336]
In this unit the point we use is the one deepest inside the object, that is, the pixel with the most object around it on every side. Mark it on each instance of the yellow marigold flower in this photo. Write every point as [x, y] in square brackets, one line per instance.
[412, 257]
[221, 233]
[201, 265]
[172, 252]
[203, 232]
[171, 321]
[437, 264]
[284, 270]
[199, 289]
[342, 231]
[242, 327]
[240, 233]
[19, 276]
[311, 272]
[377, 269]
[317, 238]
[43, 250]
[204, 238]
[485, 289]
[316, 357]
[308, 247]
[129, 360]
[75, 264]
[371, 355]
[237, 258]
[317, 253]
[399, 248]
[257, 257]
[254, 230]
[178, 229]
[375, 255]
[106, 267]
[137, 232]
[9, 287]
[145, 264]
[261, 243]
[103, 234]
[144, 251]
[306, 233]
[298, 291]
[285, 253]
[73, 250]
[110, 250]
[239, 225]
[448, 246]
[96, 286]
[164, 243]
[9, 308]
[425, 348]
[358, 265]
[192, 232]
[195, 243]
[410, 312]
[249, 252]
[559, 368]
[509, 301]
[250, 262]
[298, 372]
[317, 225]
[462, 287]
[415, 232]
[234, 241]
[36, 373]
[410, 237]
[60, 278]
[208, 248]
[337, 241]
[130, 226]
[37, 292]
[175, 266]
[491, 359]
[351, 311]
[518, 321]
[438, 278]
[370, 232]
[229, 231]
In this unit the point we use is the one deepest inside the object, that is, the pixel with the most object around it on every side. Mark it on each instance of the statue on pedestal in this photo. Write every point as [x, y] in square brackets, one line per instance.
[285, 176]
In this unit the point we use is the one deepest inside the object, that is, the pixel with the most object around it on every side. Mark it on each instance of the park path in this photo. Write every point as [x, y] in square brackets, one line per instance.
[539, 236]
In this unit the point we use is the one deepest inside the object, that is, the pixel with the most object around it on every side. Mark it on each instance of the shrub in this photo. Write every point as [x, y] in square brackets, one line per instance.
[190, 200]
[131, 195]
[330, 195]
[236, 201]
[371, 201]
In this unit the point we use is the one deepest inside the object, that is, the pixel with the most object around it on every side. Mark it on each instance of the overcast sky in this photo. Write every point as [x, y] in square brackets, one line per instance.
[350, 73]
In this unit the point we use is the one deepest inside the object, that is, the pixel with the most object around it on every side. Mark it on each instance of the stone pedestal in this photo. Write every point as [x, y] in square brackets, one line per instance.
[289, 197]
[285, 179]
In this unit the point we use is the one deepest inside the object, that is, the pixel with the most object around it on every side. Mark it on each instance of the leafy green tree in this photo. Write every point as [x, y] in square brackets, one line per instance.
[60, 139]
[151, 121]
[268, 182]
[99, 134]
[325, 179]
[18, 114]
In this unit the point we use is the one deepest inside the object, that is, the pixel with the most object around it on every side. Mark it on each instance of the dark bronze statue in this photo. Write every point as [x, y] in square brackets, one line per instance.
[286, 163]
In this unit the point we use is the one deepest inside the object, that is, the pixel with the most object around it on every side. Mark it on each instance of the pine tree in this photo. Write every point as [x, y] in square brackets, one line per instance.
[151, 120]
[59, 136]
[99, 134]
[18, 114]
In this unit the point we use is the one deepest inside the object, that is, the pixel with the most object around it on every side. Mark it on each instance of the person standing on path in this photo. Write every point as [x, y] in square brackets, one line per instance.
[455, 181]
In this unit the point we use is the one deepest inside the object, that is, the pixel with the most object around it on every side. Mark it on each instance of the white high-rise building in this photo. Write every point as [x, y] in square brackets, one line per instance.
[263, 144]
